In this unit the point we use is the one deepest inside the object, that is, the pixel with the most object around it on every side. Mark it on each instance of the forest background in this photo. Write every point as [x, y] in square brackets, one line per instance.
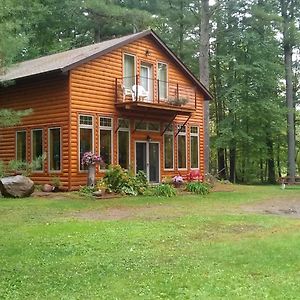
[253, 60]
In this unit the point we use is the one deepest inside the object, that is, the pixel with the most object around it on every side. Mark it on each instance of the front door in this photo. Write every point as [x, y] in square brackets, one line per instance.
[147, 159]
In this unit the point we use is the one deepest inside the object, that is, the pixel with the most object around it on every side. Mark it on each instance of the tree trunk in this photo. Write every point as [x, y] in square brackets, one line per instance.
[232, 158]
[204, 74]
[91, 180]
[270, 161]
[287, 10]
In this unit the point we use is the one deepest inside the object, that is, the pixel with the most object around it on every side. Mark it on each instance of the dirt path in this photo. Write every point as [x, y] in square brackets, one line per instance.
[289, 207]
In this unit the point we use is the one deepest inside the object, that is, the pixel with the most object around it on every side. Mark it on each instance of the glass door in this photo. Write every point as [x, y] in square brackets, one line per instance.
[147, 159]
[146, 80]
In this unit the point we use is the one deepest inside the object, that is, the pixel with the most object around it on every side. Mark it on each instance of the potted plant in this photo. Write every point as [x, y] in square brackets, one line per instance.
[178, 101]
[90, 160]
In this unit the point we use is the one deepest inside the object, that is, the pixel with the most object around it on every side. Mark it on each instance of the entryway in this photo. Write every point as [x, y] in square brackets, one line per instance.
[147, 159]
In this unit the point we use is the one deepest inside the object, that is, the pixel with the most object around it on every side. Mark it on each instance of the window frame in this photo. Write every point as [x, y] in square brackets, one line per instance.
[147, 126]
[16, 144]
[85, 126]
[167, 78]
[111, 127]
[60, 150]
[134, 68]
[31, 141]
[186, 150]
[129, 137]
[198, 139]
[167, 132]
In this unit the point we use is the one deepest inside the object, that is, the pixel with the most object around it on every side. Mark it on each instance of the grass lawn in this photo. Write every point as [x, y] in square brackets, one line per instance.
[186, 247]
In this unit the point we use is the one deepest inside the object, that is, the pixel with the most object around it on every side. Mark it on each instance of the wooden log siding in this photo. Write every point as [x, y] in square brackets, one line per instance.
[48, 96]
[92, 92]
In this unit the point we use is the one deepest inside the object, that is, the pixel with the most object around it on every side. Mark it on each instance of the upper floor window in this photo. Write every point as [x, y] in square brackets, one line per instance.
[162, 80]
[21, 145]
[129, 71]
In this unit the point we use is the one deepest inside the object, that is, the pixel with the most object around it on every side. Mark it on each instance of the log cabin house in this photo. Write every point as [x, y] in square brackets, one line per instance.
[129, 99]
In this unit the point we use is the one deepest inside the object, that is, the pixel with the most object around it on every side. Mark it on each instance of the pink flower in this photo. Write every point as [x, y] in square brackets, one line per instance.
[90, 158]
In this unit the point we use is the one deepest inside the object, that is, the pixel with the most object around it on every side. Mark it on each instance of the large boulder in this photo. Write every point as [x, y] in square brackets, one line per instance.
[16, 186]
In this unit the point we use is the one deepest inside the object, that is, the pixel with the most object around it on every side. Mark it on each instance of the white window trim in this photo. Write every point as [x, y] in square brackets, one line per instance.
[173, 149]
[31, 147]
[78, 136]
[134, 56]
[111, 139]
[194, 135]
[186, 150]
[16, 143]
[127, 130]
[167, 70]
[60, 150]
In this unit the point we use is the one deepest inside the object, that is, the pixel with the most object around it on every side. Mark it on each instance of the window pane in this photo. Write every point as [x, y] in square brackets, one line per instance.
[105, 122]
[140, 125]
[37, 149]
[194, 129]
[86, 143]
[123, 144]
[86, 120]
[21, 145]
[105, 147]
[194, 152]
[153, 126]
[123, 123]
[54, 149]
[181, 151]
[162, 77]
[129, 71]
[168, 151]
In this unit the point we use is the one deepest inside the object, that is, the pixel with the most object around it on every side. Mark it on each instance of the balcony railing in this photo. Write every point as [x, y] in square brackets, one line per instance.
[148, 90]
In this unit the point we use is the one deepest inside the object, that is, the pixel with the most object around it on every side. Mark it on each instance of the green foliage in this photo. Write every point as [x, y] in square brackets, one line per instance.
[198, 187]
[123, 182]
[164, 190]
[86, 190]
[9, 117]
[2, 169]
[55, 181]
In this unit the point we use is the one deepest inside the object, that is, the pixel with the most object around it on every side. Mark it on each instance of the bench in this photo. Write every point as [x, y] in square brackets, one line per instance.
[287, 180]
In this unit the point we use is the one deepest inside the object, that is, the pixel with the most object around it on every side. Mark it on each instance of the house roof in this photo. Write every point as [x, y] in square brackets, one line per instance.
[70, 59]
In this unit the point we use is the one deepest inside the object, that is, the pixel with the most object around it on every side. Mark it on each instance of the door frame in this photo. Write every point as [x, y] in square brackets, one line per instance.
[150, 79]
[147, 158]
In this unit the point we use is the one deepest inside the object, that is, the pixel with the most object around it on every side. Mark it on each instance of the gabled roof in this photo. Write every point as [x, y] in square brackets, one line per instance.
[68, 60]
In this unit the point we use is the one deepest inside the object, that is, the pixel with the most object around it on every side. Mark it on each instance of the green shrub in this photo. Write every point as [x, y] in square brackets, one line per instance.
[164, 190]
[86, 190]
[2, 169]
[123, 182]
[198, 187]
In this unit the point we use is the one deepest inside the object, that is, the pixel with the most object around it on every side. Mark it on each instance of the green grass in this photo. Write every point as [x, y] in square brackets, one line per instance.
[187, 247]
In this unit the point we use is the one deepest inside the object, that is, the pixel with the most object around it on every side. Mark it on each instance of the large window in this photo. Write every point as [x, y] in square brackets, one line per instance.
[162, 81]
[123, 143]
[54, 149]
[181, 147]
[37, 149]
[194, 147]
[86, 128]
[129, 71]
[169, 148]
[106, 141]
[21, 145]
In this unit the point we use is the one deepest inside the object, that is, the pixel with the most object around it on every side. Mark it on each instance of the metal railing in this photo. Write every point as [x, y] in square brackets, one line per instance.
[168, 93]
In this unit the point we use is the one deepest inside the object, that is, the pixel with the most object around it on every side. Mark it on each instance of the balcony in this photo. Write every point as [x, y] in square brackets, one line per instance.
[142, 94]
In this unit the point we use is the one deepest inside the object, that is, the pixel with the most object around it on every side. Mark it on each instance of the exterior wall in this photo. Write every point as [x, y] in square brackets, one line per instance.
[92, 92]
[48, 96]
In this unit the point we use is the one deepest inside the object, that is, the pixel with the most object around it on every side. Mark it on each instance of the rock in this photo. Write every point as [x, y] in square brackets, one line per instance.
[98, 193]
[47, 188]
[16, 186]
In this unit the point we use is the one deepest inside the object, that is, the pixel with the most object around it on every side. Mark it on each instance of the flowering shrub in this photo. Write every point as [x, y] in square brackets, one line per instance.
[90, 158]
[195, 175]
[177, 179]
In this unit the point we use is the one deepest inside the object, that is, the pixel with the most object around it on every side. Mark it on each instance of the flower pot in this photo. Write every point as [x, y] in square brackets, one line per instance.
[91, 180]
